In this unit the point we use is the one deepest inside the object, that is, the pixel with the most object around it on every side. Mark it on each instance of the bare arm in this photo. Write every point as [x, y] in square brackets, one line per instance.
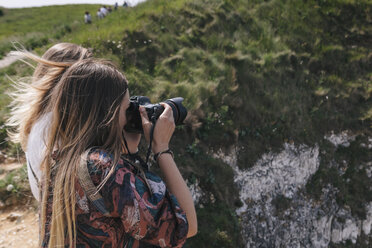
[177, 186]
[163, 132]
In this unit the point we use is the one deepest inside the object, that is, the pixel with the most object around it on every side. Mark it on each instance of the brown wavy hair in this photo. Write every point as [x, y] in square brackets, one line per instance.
[85, 107]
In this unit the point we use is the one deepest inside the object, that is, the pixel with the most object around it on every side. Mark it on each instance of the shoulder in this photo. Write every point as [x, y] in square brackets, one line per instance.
[100, 163]
[100, 157]
[36, 143]
[101, 160]
[38, 134]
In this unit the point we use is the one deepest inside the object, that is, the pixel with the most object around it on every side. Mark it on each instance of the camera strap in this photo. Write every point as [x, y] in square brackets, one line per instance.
[135, 156]
[145, 165]
[88, 186]
[153, 120]
[136, 161]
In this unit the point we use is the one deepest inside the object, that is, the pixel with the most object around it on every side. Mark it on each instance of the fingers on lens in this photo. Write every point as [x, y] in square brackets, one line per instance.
[167, 110]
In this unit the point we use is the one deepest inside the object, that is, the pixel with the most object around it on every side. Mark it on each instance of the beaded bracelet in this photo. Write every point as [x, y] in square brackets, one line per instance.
[157, 155]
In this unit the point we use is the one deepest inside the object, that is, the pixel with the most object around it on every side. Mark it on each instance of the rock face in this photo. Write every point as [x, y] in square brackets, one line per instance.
[196, 192]
[277, 212]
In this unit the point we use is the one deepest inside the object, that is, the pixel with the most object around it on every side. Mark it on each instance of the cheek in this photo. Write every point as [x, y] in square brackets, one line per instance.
[122, 118]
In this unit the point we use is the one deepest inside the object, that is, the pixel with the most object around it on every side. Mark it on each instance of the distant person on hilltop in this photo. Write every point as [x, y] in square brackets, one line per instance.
[125, 4]
[99, 14]
[87, 18]
[104, 11]
[116, 6]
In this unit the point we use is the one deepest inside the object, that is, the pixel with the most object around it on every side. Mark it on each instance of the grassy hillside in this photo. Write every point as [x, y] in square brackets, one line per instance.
[39, 26]
[253, 75]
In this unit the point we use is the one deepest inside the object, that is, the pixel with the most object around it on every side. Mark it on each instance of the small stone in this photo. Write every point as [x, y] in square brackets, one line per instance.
[13, 217]
[11, 201]
[16, 179]
[212, 198]
[10, 187]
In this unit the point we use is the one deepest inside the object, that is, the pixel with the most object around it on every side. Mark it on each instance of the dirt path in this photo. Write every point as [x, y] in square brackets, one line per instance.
[19, 228]
[18, 223]
[9, 166]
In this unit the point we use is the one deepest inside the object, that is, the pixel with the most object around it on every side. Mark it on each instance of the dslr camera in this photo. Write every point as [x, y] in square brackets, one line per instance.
[134, 122]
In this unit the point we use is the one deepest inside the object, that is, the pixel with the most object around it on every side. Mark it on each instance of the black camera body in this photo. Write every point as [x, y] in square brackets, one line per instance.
[134, 122]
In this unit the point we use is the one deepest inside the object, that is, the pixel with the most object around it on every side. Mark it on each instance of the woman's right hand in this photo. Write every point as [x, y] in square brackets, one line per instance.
[163, 131]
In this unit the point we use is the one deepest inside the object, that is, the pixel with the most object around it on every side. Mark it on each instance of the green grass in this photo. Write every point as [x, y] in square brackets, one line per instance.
[20, 193]
[112, 27]
[17, 71]
[42, 19]
[39, 26]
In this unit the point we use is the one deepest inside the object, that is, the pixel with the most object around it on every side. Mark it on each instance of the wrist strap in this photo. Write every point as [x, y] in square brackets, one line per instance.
[157, 155]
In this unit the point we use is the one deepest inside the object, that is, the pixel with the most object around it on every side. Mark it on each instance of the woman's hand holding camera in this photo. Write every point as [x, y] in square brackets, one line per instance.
[163, 131]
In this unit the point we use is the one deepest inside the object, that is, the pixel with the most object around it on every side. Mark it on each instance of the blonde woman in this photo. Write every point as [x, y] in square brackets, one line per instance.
[28, 113]
[137, 209]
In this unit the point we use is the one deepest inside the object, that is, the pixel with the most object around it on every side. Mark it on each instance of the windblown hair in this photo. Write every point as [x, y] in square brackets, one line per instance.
[30, 100]
[84, 98]
[85, 107]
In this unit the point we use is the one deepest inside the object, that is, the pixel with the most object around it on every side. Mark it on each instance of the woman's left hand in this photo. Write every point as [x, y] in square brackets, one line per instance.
[133, 139]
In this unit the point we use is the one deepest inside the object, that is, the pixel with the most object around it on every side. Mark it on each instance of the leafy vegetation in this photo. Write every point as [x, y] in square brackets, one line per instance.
[14, 188]
[224, 232]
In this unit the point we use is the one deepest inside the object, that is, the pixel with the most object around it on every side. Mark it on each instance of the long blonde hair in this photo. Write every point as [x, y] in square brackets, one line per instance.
[84, 100]
[85, 107]
[30, 100]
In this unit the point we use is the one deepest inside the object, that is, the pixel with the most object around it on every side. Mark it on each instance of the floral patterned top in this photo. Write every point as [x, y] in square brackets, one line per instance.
[139, 216]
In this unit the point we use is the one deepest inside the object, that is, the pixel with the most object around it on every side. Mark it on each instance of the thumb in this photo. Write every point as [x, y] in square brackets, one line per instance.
[146, 124]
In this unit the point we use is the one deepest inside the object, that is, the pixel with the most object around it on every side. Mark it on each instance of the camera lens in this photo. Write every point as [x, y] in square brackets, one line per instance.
[179, 111]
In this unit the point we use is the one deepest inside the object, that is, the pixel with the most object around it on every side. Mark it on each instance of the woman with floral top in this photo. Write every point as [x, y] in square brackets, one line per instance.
[136, 207]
